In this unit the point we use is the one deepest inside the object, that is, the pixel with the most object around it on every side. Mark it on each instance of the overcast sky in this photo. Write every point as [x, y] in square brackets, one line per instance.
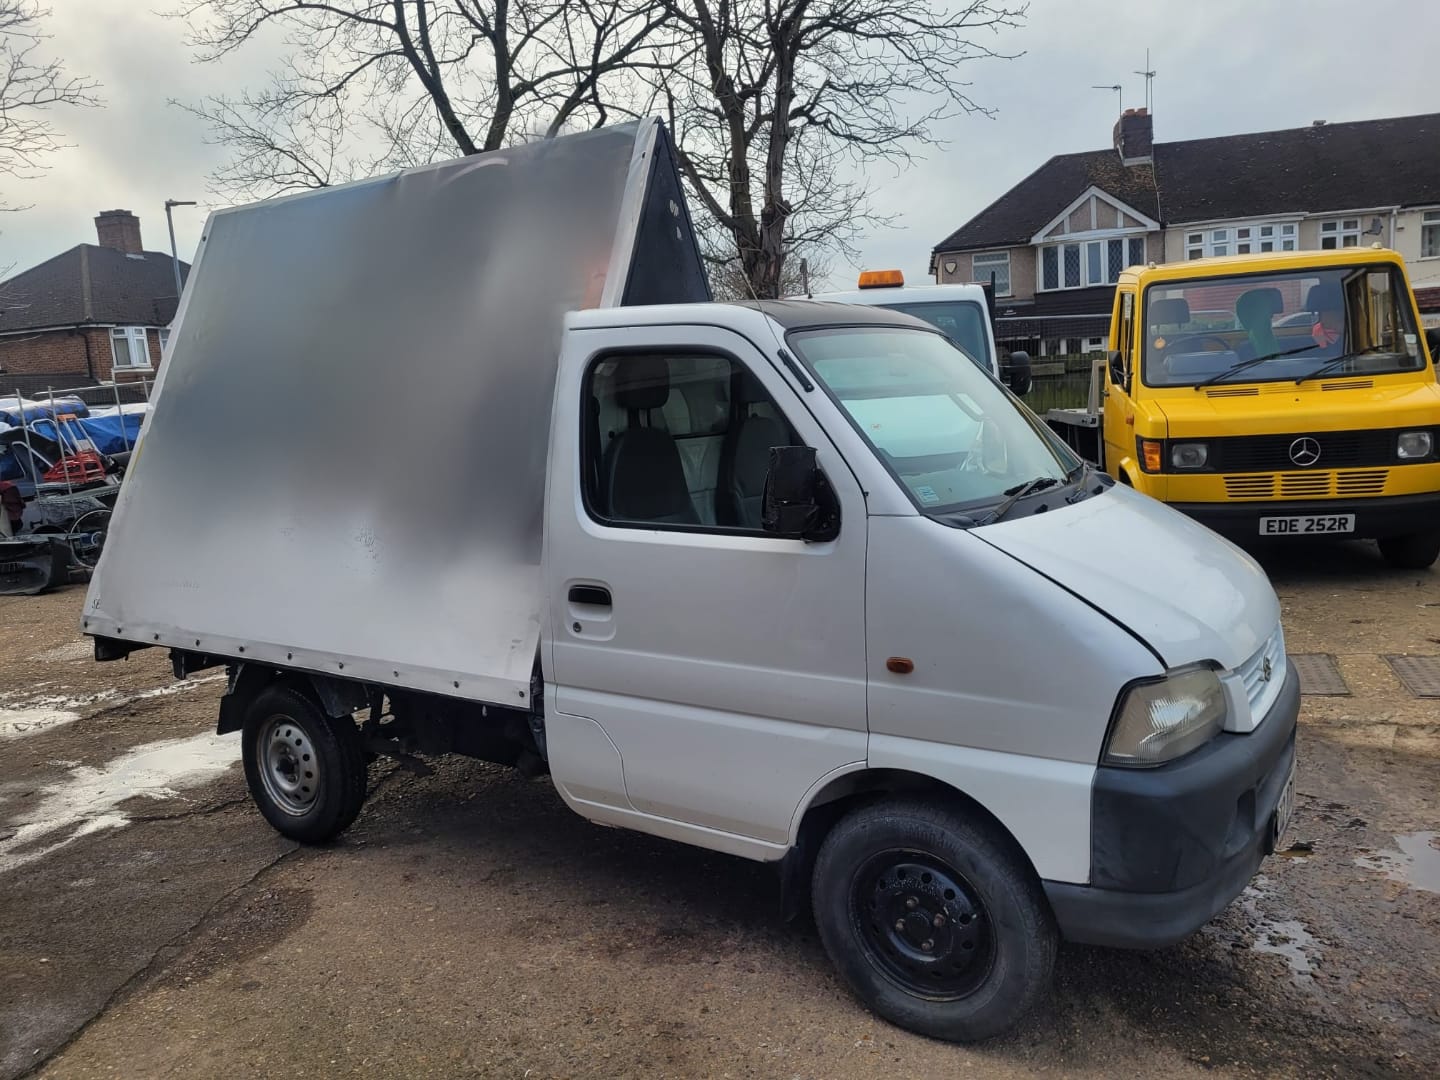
[1224, 66]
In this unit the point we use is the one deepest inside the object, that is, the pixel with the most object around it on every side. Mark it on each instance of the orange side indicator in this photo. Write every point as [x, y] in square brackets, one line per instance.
[900, 665]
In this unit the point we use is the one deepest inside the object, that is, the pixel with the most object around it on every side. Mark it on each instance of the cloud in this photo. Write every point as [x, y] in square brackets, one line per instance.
[1224, 66]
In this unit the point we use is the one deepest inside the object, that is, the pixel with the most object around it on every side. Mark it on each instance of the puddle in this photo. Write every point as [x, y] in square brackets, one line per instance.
[1289, 939]
[1416, 864]
[17, 722]
[86, 801]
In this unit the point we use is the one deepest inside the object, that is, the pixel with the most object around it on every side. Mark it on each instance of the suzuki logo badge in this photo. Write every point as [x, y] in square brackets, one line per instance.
[1266, 669]
[1305, 451]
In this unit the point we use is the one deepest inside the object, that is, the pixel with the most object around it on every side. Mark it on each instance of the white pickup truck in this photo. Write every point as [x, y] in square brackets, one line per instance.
[794, 581]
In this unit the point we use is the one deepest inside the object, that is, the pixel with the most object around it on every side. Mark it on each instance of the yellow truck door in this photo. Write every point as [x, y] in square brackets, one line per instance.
[1119, 420]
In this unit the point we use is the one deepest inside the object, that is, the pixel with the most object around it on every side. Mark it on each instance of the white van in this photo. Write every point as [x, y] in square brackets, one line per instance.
[793, 581]
[960, 312]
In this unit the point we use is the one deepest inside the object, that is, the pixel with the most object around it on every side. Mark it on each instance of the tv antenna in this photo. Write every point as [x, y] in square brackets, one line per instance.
[1119, 95]
[1149, 74]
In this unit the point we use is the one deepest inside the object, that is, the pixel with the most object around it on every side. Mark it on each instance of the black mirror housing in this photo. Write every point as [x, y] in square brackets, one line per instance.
[1018, 374]
[794, 491]
[1432, 338]
[1117, 367]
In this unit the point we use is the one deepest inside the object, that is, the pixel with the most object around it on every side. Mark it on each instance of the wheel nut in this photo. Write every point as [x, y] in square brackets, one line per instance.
[938, 921]
[900, 925]
[911, 903]
[927, 945]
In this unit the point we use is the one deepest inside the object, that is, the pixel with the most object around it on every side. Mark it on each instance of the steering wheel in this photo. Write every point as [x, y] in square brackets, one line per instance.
[1194, 339]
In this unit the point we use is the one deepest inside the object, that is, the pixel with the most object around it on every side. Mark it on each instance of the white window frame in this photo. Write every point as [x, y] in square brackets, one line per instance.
[992, 260]
[1430, 233]
[134, 337]
[1086, 244]
[1242, 238]
[1341, 232]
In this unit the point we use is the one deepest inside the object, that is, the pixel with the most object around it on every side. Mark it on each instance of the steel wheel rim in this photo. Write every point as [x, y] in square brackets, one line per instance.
[922, 924]
[288, 765]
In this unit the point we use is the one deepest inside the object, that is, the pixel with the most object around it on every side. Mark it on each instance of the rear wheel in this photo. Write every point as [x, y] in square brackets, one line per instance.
[933, 919]
[1414, 552]
[305, 770]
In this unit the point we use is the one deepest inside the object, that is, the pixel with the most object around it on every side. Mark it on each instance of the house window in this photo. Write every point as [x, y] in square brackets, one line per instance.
[1094, 344]
[1340, 233]
[164, 339]
[129, 347]
[1094, 262]
[1242, 239]
[1049, 268]
[997, 263]
[1430, 235]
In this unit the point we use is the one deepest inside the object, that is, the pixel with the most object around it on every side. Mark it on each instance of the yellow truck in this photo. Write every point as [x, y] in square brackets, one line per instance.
[1279, 396]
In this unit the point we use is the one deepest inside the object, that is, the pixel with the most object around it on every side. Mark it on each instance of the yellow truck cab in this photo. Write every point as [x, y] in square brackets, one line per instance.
[1274, 396]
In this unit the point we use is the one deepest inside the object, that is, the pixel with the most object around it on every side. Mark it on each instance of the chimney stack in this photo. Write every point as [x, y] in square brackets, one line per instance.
[119, 229]
[1135, 137]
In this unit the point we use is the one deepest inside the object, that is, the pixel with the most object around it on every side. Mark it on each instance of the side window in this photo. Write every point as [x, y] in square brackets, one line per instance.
[1126, 344]
[677, 440]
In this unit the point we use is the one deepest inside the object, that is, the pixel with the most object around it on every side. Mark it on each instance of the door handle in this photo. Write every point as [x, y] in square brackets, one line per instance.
[594, 595]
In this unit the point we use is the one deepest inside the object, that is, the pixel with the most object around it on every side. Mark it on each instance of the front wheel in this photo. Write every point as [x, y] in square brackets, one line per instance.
[1414, 552]
[933, 919]
[305, 770]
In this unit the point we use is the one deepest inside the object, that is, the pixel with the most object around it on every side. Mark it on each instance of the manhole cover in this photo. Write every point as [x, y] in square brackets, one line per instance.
[1319, 675]
[1420, 674]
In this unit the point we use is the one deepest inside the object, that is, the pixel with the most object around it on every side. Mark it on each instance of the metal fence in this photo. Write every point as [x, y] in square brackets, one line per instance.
[1065, 389]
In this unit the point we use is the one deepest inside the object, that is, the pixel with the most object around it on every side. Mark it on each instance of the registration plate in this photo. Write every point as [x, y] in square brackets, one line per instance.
[1307, 524]
[1285, 809]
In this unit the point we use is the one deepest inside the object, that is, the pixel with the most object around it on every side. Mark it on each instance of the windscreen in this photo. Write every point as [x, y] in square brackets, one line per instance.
[948, 432]
[1268, 327]
[962, 321]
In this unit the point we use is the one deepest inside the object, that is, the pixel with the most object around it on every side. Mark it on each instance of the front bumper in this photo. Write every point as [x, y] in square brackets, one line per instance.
[1375, 518]
[1172, 846]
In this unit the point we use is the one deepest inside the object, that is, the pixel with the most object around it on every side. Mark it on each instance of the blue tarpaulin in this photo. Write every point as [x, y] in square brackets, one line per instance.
[12, 409]
[110, 434]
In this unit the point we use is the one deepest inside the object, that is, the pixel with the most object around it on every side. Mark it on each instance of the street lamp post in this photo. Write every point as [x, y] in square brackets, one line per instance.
[174, 253]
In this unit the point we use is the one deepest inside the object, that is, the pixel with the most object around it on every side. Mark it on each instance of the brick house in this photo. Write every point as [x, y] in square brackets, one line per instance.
[91, 314]
[1057, 241]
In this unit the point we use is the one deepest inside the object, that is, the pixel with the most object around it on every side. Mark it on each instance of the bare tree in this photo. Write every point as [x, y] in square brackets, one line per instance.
[31, 83]
[780, 105]
[374, 84]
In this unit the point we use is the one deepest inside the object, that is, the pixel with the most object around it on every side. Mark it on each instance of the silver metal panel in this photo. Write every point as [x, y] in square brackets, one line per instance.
[1420, 674]
[345, 466]
[1319, 675]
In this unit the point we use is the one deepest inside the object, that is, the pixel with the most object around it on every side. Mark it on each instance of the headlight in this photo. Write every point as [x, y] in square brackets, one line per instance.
[1414, 444]
[1161, 721]
[1190, 455]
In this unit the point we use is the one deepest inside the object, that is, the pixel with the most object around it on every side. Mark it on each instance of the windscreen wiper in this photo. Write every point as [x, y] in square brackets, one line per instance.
[1015, 494]
[1246, 364]
[1333, 364]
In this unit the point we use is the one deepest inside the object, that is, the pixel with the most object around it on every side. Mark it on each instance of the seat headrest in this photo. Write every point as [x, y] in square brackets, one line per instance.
[749, 390]
[642, 382]
[1169, 311]
[1258, 306]
[1326, 296]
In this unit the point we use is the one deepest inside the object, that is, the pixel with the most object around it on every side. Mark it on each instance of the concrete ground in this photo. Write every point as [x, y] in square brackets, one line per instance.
[470, 925]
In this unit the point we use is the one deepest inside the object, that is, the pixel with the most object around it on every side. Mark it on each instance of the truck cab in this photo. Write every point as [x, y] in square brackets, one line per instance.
[963, 313]
[1275, 396]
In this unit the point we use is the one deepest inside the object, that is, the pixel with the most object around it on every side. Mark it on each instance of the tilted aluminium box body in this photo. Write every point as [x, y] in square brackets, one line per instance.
[344, 470]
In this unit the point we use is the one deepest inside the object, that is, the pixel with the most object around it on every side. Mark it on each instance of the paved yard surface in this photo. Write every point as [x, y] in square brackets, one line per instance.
[470, 925]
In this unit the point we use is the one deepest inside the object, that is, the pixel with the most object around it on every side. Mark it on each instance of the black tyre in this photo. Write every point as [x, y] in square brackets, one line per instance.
[1414, 552]
[305, 770]
[934, 919]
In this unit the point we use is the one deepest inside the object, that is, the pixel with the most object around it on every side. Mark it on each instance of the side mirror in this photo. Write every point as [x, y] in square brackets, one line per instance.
[1432, 338]
[1017, 373]
[791, 503]
[1117, 367]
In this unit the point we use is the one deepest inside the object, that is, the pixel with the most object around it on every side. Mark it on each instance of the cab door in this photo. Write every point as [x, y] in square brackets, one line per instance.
[1119, 420]
[702, 675]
